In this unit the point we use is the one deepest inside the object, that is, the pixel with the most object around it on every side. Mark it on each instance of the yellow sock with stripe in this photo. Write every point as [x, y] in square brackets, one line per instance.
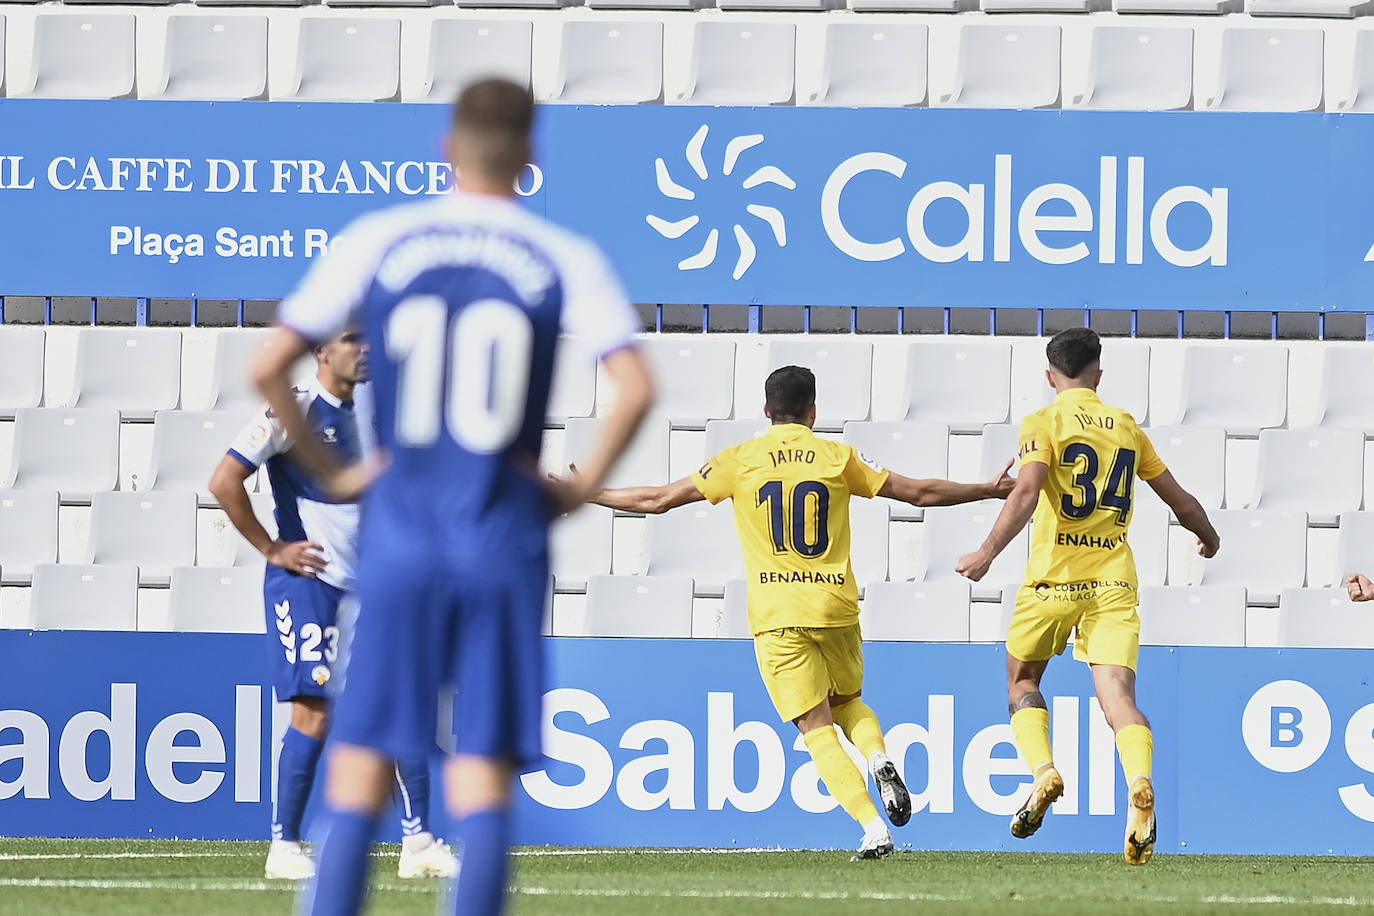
[1032, 730]
[846, 784]
[1136, 744]
[860, 725]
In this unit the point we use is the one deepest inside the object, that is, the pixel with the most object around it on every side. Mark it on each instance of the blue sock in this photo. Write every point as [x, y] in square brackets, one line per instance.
[412, 783]
[481, 882]
[342, 865]
[296, 764]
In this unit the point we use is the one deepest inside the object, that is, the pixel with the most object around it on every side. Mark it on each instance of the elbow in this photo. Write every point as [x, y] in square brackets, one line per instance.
[658, 504]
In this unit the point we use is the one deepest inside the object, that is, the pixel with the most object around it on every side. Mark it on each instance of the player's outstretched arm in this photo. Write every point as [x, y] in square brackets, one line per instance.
[649, 500]
[932, 492]
[1014, 516]
[227, 484]
[1188, 511]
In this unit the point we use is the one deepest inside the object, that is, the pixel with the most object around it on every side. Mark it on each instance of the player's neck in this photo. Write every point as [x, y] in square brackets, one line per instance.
[339, 388]
[485, 187]
[1075, 386]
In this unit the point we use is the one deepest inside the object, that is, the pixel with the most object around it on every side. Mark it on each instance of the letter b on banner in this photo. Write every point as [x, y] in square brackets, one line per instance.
[1286, 726]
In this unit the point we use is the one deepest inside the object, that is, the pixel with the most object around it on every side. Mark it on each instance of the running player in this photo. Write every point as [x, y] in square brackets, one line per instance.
[464, 297]
[310, 567]
[1079, 461]
[791, 494]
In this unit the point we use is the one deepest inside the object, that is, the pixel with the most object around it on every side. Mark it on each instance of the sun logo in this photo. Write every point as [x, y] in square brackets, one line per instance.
[768, 174]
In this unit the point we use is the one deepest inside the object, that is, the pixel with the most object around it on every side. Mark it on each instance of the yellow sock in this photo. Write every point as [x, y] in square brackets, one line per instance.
[1136, 744]
[1032, 730]
[860, 725]
[846, 784]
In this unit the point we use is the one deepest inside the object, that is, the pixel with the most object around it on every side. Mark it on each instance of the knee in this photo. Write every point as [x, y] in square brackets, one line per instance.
[1121, 712]
[310, 718]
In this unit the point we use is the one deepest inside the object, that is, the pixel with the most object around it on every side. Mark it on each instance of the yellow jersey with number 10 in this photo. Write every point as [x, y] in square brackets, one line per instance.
[1094, 452]
[791, 491]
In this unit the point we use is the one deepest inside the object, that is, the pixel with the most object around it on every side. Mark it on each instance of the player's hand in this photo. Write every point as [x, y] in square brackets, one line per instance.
[1002, 485]
[974, 565]
[300, 557]
[1208, 548]
[350, 482]
[1359, 587]
[567, 493]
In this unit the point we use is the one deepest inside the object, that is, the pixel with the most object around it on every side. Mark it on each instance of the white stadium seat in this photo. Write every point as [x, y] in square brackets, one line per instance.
[1361, 93]
[214, 599]
[913, 449]
[1177, 616]
[964, 385]
[916, 611]
[721, 434]
[644, 462]
[1355, 545]
[347, 60]
[952, 531]
[580, 547]
[73, 451]
[874, 65]
[573, 392]
[83, 56]
[187, 445]
[1133, 68]
[694, 378]
[137, 371]
[2, 55]
[638, 606]
[1149, 541]
[21, 363]
[245, 554]
[1342, 9]
[1270, 70]
[464, 50]
[28, 533]
[611, 62]
[1181, 7]
[230, 388]
[1263, 552]
[1323, 618]
[999, 444]
[73, 597]
[1317, 471]
[869, 536]
[844, 376]
[697, 540]
[1006, 66]
[1196, 456]
[153, 531]
[1347, 379]
[1242, 389]
[734, 615]
[742, 63]
[1037, 6]
[214, 57]
[1126, 377]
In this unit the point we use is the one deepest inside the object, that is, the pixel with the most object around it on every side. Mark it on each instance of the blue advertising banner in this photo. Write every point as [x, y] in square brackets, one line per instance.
[789, 206]
[674, 743]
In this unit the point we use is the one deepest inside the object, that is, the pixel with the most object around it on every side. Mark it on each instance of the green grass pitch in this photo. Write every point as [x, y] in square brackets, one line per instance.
[117, 877]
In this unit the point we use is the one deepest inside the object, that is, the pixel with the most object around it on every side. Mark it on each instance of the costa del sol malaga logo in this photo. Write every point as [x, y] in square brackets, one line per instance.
[763, 215]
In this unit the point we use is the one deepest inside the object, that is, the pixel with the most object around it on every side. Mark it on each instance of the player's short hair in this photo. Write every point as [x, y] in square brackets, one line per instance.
[1074, 351]
[493, 119]
[789, 392]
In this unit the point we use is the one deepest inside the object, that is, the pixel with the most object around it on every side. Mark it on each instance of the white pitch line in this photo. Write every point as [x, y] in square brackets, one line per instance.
[253, 853]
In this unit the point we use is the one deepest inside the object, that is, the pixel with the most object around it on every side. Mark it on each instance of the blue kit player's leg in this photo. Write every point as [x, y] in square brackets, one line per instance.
[422, 854]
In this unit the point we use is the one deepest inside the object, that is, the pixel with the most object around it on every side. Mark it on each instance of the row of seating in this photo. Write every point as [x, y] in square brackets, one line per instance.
[1000, 65]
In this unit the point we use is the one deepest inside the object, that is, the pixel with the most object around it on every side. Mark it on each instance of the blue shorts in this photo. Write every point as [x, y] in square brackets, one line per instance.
[425, 626]
[302, 632]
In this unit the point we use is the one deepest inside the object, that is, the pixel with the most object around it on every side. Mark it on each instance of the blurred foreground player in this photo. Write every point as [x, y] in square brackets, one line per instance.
[1079, 461]
[791, 494]
[464, 298]
[310, 568]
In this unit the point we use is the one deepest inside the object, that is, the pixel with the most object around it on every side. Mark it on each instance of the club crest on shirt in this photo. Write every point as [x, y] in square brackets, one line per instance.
[320, 674]
[871, 463]
[330, 435]
[258, 436]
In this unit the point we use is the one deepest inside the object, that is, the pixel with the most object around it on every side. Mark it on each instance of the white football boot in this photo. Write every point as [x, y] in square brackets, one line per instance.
[423, 856]
[288, 860]
[877, 842]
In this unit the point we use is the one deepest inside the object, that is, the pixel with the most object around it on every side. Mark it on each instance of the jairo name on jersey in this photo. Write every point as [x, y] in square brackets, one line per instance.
[804, 576]
[1091, 541]
[792, 456]
[229, 242]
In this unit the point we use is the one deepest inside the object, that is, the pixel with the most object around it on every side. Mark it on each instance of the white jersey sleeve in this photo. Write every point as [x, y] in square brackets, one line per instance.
[260, 439]
[330, 296]
[365, 415]
[595, 308]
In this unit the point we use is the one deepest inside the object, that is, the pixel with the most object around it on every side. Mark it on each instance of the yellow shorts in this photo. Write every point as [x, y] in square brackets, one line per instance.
[803, 666]
[1104, 614]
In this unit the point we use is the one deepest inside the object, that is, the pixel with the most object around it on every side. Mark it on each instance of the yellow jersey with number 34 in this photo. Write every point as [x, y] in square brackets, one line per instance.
[1094, 452]
[791, 491]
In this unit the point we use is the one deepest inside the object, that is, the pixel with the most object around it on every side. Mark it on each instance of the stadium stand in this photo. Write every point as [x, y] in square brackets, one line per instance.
[1241, 389]
[914, 449]
[463, 49]
[611, 62]
[721, 434]
[1139, 69]
[185, 443]
[1322, 618]
[699, 541]
[638, 606]
[73, 451]
[695, 379]
[153, 531]
[844, 376]
[137, 371]
[86, 56]
[742, 63]
[1213, 616]
[1266, 553]
[951, 531]
[580, 547]
[75, 597]
[214, 57]
[873, 65]
[1270, 70]
[734, 616]
[645, 462]
[574, 383]
[21, 368]
[916, 611]
[1006, 66]
[348, 60]
[962, 385]
[869, 533]
[1317, 471]
[28, 533]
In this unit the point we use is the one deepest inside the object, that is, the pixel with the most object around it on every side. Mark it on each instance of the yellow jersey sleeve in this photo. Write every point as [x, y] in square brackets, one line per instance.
[716, 478]
[1035, 446]
[1149, 465]
[864, 476]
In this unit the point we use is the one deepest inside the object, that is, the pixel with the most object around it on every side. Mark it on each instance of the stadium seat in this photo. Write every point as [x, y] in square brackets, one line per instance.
[187, 445]
[742, 63]
[463, 50]
[83, 56]
[1342, 9]
[153, 531]
[2, 55]
[844, 376]
[21, 362]
[1347, 379]
[1355, 545]
[1263, 552]
[1038, 6]
[230, 388]
[874, 65]
[73, 597]
[734, 617]
[28, 533]
[638, 606]
[911, 6]
[1149, 540]
[644, 463]
[1317, 471]
[264, 507]
[1000, 443]
[697, 540]
[1180, 7]
[73, 451]
[1177, 616]
[137, 371]
[1126, 377]
[1241, 389]
[573, 393]
[611, 62]
[580, 546]
[952, 531]
[721, 434]
[644, 4]
[1361, 93]
[1196, 455]
[1139, 69]
[1323, 618]
[961, 384]
[347, 60]
[215, 599]
[694, 378]
[869, 534]
[910, 448]
[1270, 70]
[214, 57]
[916, 611]
[1006, 66]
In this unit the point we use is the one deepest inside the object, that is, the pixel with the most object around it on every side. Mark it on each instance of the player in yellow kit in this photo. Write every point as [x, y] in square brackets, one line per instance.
[1079, 461]
[791, 494]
